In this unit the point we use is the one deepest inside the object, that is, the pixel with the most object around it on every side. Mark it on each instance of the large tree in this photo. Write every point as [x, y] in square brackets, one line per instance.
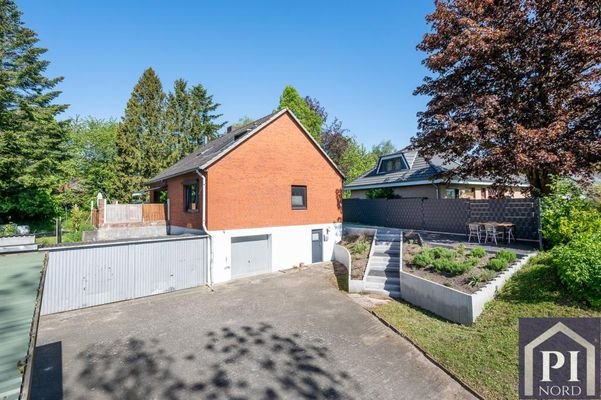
[515, 88]
[310, 119]
[142, 146]
[31, 139]
[190, 118]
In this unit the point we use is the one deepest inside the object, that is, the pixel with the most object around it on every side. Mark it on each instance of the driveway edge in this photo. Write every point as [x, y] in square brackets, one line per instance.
[464, 384]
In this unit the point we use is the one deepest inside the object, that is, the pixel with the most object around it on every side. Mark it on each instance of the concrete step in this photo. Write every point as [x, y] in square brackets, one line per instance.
[383, 280]
[383, 260]
[384, 267]
[390, 293]
[387, 253]
[390, 272]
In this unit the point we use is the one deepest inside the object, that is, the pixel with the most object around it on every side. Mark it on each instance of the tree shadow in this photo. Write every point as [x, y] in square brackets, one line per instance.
[245, 362]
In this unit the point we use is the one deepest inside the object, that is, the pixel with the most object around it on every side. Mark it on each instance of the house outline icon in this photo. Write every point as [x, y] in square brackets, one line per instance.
[549, 333]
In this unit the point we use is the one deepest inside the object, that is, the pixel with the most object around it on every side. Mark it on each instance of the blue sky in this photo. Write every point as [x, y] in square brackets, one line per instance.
[357, 58]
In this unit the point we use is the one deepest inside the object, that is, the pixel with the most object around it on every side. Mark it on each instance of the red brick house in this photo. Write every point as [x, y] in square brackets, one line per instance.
[266, 193]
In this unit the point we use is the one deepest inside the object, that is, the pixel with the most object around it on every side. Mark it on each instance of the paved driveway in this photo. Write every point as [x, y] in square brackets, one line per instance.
[281, 336]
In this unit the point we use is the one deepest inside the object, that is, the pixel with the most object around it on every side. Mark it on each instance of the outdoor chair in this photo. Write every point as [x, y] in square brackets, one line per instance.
[510, 236]
[491, 232]
[474, 230]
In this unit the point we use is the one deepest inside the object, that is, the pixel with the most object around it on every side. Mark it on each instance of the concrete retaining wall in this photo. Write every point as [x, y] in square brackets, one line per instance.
[450, 303]
[17, 240]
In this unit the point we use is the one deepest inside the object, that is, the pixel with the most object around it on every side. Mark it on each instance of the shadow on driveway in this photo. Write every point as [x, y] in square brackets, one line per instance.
[248, 362]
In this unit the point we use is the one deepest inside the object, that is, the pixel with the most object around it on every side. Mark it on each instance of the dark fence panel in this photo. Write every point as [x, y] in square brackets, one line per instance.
[445, 215]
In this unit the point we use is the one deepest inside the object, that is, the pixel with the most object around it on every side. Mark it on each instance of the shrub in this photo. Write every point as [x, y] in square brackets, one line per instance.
[78, 218]
[360, 247]
[567, 212]
[478, 252]
[481, 277]
[441, 252]
[497, 264]
[452, 267]
[423, 259]
[9, 229]
[460, 249]
[508, 255]
[578, 265]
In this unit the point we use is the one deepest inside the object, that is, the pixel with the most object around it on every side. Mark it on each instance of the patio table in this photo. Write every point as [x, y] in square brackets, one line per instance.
[503, 225]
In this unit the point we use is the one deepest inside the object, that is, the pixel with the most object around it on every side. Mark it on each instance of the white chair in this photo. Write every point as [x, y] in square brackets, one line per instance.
[474, 230]
[510, 236]
[492, 233]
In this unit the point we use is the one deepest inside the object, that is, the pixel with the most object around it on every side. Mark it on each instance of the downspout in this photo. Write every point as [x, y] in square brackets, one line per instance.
[437, 190]
[204, 227]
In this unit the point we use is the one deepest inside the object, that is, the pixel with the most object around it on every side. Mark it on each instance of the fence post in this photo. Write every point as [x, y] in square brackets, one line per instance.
[59, 231]
[538, 211]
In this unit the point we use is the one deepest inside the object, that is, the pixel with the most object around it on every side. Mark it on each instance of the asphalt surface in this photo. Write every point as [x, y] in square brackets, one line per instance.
[289, 335]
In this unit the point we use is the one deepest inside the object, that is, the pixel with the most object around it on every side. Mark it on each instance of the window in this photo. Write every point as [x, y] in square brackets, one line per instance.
[452, 194]
[191, 197]
[299, 197]
[391, 165]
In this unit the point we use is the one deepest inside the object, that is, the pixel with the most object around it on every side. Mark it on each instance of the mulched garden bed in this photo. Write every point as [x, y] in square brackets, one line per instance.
[459, 267]
[359, 246]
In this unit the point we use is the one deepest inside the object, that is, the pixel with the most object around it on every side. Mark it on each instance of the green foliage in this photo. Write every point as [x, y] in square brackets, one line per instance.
[460, 249]
[578, 264]
[480, 277]
[382, 193]
[478, 252]
[567, 212]
[360, 246]
[383, 148]
[356, 160]
[442, 252]
[423, 259]
[9, 229]
[311, 120]
[508, 255]
[451, 266]
[78, 217]
[190, 118]
[497, 264]
[92, 150]
[31, 139]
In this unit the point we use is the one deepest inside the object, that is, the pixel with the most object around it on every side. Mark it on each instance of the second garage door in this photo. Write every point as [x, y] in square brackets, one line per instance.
[251, 255]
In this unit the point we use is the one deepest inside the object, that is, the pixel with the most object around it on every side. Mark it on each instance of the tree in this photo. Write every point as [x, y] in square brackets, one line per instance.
[92, 151]
[356, 160]
[311, 120]
[189, 118]
[31, 139]
[383, 148]
[142, 146]
[245, 120]
[516, 89]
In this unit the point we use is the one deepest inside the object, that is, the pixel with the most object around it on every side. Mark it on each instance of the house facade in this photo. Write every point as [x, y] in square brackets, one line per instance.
[266, 194]
[409, 175]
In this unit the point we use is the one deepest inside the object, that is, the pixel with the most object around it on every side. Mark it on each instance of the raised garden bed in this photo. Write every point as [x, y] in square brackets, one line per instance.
[359, 246]
[463, 268]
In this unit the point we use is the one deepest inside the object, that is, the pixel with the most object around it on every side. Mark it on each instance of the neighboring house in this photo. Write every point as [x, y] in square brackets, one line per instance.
[266, 193]
[410, 175]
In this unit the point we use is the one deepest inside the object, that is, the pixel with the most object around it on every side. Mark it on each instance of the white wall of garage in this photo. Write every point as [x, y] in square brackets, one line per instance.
[291, 245]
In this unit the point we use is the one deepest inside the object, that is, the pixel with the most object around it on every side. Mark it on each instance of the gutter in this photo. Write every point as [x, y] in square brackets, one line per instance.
[204, 227]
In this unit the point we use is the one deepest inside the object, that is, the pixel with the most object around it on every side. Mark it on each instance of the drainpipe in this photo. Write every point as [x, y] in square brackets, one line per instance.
[436, 188]
[204, 227]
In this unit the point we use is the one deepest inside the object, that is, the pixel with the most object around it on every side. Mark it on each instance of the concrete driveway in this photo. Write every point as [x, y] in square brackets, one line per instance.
[286, 335]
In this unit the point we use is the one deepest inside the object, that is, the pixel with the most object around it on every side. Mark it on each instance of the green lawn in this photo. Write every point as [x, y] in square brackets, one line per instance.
[485, 355]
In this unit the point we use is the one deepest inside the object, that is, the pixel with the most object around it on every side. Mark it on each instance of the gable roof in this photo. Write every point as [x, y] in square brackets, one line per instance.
[208, 154]
[420, 171]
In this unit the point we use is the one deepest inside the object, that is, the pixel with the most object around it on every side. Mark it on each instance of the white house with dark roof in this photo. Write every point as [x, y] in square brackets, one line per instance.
[410, 175]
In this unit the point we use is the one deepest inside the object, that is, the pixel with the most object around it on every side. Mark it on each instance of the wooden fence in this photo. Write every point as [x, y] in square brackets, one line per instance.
[154, 212]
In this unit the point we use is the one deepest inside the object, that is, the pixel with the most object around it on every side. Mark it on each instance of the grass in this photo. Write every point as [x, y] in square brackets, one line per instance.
[485, 355]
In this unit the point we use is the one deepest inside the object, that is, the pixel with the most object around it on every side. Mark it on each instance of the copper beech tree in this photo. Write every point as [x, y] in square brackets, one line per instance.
[515, 89]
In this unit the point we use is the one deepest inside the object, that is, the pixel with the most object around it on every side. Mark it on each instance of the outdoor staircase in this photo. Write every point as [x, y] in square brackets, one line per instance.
[384, 265]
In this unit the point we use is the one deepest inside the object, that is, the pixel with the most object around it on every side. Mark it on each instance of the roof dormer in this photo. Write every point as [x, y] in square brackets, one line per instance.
[392, 163]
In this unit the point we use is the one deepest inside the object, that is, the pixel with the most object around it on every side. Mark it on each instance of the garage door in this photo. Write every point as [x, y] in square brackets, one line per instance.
[251, 255]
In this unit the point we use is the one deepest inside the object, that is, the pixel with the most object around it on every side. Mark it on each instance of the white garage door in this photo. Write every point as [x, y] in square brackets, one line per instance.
[251, 255]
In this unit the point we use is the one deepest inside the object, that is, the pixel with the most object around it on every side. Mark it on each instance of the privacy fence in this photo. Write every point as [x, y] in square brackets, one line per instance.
[92, 274]
[445, 215]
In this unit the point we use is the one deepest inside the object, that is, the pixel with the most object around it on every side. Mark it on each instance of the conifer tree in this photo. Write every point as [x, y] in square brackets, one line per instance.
[31, 139]
[141, 140]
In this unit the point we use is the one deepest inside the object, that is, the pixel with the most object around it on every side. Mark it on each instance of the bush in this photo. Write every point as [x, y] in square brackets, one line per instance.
[478, 252]
[508, 255]
[497, 264]
[9, 229]
[78, 218]
[452, 267]
[360, 247]
[441, 252]
[578, 265]
[567, 212]
[460, 249]
[423, 259]
[481, 277]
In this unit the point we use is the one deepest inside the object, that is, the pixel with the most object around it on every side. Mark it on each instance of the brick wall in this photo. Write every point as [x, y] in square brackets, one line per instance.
[251, 186]
[175, 192]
